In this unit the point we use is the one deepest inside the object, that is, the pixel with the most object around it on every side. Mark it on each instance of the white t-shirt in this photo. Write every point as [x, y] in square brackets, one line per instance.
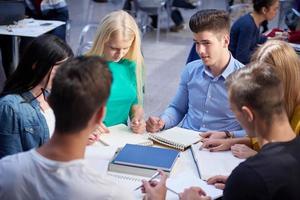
[29, 175]
[50, 120]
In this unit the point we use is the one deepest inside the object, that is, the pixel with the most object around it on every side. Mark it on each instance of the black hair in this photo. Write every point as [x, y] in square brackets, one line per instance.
[80, 87]
[259, 4]
[35, 64]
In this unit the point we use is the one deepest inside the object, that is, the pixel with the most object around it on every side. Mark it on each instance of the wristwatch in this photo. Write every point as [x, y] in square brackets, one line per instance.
[228, 134]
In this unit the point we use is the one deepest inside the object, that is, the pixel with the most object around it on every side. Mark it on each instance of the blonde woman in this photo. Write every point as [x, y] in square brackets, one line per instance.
[118, 41]
[287, 65]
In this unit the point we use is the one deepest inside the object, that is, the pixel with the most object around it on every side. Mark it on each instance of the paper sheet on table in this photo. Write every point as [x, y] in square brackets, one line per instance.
[188, 179]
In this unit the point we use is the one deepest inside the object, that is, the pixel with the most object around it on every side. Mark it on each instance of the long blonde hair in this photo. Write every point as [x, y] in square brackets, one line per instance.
[120, 22]
[287, 65]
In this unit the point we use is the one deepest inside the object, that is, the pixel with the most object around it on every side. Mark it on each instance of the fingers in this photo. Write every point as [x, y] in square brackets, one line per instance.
[93, 137]
[163, 177]
[102, 128]
[242, 151]
[154, 124]
[138, 126]
[218, 181]
[193, 193]
[210, 143]
[205, 135]
[220, 186]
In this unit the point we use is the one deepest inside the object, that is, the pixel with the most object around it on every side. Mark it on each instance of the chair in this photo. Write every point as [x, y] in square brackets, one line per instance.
[144, 8]
[86, 38]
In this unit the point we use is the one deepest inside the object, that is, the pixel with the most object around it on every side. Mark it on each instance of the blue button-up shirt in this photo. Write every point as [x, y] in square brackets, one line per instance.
[201, 100]
[22, 124]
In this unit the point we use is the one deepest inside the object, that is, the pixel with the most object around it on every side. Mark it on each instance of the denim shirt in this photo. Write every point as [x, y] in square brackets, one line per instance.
[22, 125]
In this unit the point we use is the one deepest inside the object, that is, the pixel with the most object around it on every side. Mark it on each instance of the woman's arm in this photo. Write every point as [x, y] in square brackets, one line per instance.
[137, 122]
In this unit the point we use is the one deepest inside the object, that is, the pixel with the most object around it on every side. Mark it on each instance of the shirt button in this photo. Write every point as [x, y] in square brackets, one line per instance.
[206, 111]
[203, 125]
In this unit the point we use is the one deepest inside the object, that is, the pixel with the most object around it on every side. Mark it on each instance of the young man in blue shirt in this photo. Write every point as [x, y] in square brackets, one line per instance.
[201, 101]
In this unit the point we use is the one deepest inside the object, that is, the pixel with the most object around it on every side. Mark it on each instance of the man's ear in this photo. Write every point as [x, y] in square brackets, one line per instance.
[226, 40]
[264, 10]
[247, 113]
[100, 113]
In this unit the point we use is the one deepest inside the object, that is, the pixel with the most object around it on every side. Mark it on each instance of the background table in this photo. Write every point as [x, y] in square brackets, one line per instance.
[27, 28]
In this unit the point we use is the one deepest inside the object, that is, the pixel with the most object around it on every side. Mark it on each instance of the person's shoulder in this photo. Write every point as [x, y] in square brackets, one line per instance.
[10, 103]
[105, 185]
[195, 65]
[12, 164]
[244, 21]
[10, 99]
[236, 64]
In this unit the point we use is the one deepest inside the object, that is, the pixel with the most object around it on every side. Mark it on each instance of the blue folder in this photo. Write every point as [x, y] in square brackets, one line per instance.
[147, 157]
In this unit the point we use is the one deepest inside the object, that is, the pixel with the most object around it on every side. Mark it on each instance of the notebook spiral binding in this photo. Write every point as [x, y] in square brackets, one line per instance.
[123, 177]
[167, 142]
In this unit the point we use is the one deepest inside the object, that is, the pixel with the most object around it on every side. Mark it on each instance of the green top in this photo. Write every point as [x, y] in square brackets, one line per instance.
[123, 93]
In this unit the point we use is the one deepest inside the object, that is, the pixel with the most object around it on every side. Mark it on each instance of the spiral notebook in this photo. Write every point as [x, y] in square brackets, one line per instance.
[178, 138]
[120, 135]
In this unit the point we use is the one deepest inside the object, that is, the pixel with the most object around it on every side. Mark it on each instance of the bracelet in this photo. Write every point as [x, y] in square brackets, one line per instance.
[228, 134]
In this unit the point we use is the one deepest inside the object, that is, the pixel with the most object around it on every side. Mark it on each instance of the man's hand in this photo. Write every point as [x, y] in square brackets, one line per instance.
[242, 151]
[193, 193]
[218, 181]
[154, 124]
[155, 190]
[138, 125]
[216, 144]
[214, 135]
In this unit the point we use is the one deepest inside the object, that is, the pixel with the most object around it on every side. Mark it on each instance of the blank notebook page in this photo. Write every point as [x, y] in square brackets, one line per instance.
[120, 134]
[177, 136]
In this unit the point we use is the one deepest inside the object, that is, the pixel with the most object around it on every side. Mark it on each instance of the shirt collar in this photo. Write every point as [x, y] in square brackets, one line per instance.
[28, 96]
[228, 70]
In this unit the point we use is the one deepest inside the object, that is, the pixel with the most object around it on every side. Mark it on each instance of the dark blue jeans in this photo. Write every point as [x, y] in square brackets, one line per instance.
[176, 15]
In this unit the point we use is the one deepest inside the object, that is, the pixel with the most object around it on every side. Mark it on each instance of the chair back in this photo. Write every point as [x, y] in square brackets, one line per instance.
[86, 38]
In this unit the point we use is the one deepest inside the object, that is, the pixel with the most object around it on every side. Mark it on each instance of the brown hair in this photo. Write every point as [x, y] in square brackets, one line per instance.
[80, 87]
[210, 20]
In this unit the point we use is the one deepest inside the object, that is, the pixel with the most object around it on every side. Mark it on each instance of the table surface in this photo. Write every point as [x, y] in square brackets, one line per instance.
[184, 173]
[30, 27]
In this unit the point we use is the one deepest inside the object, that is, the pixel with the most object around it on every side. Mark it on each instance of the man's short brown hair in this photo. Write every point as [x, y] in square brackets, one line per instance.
[210, 20]
[80, 88]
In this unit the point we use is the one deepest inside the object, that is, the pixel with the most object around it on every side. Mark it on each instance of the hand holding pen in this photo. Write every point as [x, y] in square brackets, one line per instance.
[156, 190]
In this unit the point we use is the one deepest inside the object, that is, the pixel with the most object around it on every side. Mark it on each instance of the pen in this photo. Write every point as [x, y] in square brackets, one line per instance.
[152, 178]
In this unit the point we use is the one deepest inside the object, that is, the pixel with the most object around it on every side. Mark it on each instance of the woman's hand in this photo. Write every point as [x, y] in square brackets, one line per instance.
[242, 151]
[138, 125]
[95, 135]
[137, 122]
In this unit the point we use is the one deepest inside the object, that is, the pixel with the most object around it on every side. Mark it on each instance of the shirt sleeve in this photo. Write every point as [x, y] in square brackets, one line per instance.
[244, 183]
[240, 133]
[10, 141]
[243, 51]
[179, 105]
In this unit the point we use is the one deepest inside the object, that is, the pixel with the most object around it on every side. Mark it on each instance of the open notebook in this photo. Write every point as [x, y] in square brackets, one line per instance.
[178, 138]
[214, 163]
[121, 134]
